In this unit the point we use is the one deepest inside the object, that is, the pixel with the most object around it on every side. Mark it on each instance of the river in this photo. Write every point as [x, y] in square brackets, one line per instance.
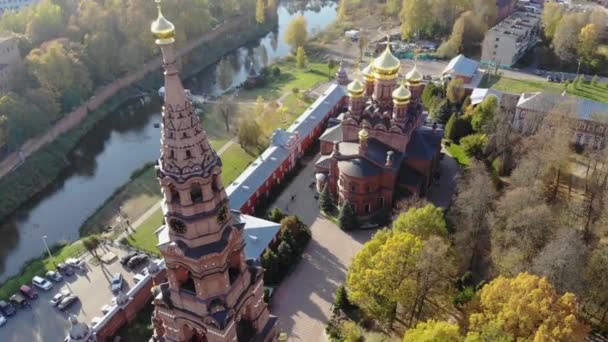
[123, 142]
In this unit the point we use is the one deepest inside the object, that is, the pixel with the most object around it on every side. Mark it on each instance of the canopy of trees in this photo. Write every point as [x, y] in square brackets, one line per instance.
[72, 47]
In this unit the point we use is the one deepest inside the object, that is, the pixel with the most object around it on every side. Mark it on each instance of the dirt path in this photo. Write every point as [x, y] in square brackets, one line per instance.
[73, 119]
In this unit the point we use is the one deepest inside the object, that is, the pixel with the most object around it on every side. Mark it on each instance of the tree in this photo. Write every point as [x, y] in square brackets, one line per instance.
[483, 114]
[552, 14]
[351, 331]
[249, 133]
[286, 255]
[392, 7]
[596, 275]
[227, 109]
[456, 91]
[224, 74]
[331, 65]
[326, 202]
[566, 38]
[433, 331]
[449, 128]
[45, 22]
[474, 145]
[347, 220]
[415, 18]
[431, 96]
[270, 263]
[276, 215]
[475, 194]
[342, 10]
[296, 34]
[91, 243]
[563, 261]
[528, 308]
[260, 11]
[301, 59]
[443, 111]
[422, 222]
[341, 300]
[588, 40]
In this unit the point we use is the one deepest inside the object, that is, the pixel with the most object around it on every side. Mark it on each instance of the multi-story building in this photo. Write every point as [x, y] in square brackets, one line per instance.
[589, 119]
[10, 58]
[213, 293]
[15, 5]
[380, 147]
[505, 43]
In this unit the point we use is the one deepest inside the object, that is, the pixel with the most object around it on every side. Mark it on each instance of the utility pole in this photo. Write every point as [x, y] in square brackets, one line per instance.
[47, 248]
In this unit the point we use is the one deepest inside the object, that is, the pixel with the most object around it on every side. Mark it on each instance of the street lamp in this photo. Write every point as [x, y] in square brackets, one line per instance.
[47, 247]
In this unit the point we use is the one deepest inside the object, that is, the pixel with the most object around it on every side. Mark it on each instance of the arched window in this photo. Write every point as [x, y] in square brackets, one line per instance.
[215, 184]
[196, 194]
[188, 154]
[174, 194]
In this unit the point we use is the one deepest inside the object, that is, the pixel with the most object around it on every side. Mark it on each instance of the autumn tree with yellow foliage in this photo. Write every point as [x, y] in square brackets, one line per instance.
[528, 308]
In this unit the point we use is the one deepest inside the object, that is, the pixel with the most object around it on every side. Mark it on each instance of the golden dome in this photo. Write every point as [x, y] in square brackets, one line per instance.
[402, 94]
[368, 72]
[414, 76]
[355, 87]
[162, 29]
[387, 63]
[363, 134]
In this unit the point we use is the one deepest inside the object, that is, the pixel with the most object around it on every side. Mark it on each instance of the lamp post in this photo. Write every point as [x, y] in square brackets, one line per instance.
[47, 248]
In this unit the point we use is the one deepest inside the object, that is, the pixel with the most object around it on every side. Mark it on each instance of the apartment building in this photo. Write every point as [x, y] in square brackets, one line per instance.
[505, 43]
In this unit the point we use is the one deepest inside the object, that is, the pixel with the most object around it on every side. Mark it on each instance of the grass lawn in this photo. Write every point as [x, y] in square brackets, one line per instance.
[598, 92]
[458, 153]
[291, 77]
[39, 267]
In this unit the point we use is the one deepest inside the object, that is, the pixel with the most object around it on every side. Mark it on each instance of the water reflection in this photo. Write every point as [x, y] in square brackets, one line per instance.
[122, 143]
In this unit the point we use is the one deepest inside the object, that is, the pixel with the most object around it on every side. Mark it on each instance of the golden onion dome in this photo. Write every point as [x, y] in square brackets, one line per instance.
[387, 63]
[363, 134]
[162, 29]
[368, 72]
[355, 87]
[402, 94]
[414, 76]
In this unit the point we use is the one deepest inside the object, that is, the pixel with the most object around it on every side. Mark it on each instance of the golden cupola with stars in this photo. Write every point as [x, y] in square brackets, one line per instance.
[162, 29]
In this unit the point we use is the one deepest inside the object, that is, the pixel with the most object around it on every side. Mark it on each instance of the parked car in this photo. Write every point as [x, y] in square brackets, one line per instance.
[7, 308]
[65, 269]
[59, 296]
[42, 283]
[125, 259]
[137, 260]
[67, 302]
[54, 276]
[138, 277]
[75, 262]
[117, 282]
[18, 300]
[29, 292]
[2, 320]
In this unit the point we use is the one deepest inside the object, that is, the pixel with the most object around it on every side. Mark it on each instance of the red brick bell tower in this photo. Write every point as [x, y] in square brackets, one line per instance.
[212, 293]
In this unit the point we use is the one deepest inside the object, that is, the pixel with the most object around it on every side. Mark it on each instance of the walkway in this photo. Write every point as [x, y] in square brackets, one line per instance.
[303, 301]
[102, 95]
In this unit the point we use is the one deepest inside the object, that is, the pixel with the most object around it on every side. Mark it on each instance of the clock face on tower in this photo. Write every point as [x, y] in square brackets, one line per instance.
[222, 215]
[177, 226]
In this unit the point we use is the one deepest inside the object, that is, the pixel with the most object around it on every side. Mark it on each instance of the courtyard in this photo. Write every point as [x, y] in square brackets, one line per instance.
[43, 322]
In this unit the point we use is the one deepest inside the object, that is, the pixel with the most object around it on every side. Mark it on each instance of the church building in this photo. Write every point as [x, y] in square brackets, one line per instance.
[213, 293]
[380, 148]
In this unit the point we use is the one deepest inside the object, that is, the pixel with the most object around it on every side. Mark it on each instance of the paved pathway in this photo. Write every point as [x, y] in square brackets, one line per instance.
[303, 301]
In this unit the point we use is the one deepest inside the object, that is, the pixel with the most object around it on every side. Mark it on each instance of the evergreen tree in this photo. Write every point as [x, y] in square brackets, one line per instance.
[301, 59]
[347, 219]
[449, 127]
[341, 300]
[325, 200]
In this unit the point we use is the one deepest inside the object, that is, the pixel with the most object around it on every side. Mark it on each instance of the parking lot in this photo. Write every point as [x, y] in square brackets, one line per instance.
[44, 322]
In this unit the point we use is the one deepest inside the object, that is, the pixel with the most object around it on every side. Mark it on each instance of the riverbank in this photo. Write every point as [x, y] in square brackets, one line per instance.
[46, 163]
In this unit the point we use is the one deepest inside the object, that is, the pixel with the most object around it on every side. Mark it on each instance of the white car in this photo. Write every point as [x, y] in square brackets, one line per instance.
[59, 296]
[42, 283]
[2, 320]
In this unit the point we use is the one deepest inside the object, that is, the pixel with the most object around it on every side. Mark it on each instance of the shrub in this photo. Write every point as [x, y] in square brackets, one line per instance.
[276, 71]
[351, 332]
[458, 128]
[276, 215]
[474, 145]
[341, 302]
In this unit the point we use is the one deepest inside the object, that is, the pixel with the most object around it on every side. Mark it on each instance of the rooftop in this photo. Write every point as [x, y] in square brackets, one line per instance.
[518, 24]
[546, 102]
[461, 65]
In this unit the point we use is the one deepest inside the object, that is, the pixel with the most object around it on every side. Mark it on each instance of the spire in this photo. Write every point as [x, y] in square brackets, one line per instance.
[185, 150]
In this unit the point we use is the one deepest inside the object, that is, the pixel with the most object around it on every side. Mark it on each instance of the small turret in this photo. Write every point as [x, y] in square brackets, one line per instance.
[363, 140]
